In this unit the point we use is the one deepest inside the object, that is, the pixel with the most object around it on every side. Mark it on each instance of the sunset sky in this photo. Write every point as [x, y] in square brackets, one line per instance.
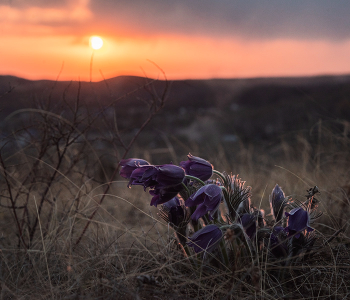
[188, 39]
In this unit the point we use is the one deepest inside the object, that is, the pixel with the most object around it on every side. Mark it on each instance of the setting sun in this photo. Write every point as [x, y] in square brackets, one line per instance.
[96, 42]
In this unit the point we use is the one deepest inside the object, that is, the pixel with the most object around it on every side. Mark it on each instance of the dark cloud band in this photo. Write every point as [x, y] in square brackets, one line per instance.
[307, 19]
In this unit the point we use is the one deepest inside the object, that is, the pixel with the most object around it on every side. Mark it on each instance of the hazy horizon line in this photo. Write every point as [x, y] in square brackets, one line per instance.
[190, 79]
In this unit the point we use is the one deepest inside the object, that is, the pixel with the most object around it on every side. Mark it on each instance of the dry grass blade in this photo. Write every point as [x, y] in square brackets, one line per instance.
[44, 248]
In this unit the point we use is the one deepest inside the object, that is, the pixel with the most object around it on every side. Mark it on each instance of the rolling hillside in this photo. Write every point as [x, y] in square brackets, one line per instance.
[258, 110]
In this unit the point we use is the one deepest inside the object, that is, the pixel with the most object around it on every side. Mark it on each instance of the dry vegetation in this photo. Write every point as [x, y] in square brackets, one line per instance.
[70, 228]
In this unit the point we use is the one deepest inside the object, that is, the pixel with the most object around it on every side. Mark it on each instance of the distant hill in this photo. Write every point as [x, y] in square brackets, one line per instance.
[219, 110]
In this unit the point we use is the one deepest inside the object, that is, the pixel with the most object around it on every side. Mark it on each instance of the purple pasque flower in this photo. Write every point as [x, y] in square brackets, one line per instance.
[174, 212]
[177, 215]
[129, 165]
[164, 194]
[277, 202]
[298, 220]
[197, 167]
[248, 222]
[207, 199]
[277, 247]
[157, 176]
[206, 238]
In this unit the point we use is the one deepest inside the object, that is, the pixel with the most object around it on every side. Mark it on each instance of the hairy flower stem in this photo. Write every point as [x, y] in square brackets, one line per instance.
[220, 175]
[187, 251]
[206, 219]
[196, 225]
[225, 227]
[195, 179]
[224, 253]
[186, 188]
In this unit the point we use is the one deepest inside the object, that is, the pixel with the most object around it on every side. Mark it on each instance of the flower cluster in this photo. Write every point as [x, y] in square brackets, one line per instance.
[164, 181]
[219, 212]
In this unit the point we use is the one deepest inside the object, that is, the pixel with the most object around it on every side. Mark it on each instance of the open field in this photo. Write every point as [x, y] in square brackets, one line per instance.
[71, 229]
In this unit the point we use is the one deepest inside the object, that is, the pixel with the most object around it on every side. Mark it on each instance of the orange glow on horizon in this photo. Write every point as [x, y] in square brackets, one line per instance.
[34, 50]
[180, 57]
[37, 41]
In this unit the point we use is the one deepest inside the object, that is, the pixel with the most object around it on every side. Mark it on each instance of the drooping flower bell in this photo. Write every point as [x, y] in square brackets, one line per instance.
[177, 215]
[129, 165]
[206, 238]
[164, 194]
[298, 220]
[157, 176]
[277, 202]
[248, 222]
[174, 212]
[277, 246]
[207, 199]
[197, 167]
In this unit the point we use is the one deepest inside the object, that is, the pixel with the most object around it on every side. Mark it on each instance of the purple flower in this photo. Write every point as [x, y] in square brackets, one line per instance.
[278, 248]
[157, 176]
[129, 165]
[277, 202]
[298, 220]
[275, 232]
[206, 238]
[176, 214]
[198, 167]
[164, 194]
[173, 212]
[248, 222]
[207, 199]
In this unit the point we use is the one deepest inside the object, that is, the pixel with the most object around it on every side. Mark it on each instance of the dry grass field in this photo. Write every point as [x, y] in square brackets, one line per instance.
[70, 228]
